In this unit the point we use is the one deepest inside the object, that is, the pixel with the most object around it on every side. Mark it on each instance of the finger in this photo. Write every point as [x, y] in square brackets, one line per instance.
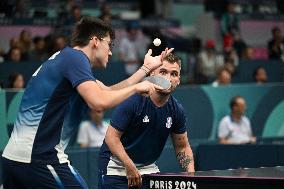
[157, 87]
[164, 52]
[139, 181]
[170, 50]
[149, 52]
[130, 183]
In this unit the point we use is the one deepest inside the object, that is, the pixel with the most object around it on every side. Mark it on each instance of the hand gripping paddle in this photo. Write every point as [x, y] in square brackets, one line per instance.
[160, 81]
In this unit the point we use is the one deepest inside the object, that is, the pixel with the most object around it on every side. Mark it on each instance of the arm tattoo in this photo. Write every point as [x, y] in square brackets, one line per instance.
[184, 160]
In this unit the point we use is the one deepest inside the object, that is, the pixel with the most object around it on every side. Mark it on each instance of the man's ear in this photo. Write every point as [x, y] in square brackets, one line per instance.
[179, 80]
[95, 42]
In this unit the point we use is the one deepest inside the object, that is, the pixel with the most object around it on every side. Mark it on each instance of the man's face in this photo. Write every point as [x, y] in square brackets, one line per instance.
[225, 78]
[240, 106]
[103, 52]
[261, 75]
[170, 71]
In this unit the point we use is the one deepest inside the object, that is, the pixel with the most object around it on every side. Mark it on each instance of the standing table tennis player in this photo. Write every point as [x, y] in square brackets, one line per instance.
[54, 102]
[139, 130]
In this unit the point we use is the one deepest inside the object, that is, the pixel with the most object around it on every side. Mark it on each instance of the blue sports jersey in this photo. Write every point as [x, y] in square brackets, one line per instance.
[145, 128]
[50, 110]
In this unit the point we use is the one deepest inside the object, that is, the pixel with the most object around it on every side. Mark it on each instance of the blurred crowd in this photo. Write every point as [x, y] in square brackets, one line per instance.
[209, 64]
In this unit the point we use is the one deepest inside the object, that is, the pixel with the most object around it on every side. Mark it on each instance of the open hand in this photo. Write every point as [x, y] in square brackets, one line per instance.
[153, 62]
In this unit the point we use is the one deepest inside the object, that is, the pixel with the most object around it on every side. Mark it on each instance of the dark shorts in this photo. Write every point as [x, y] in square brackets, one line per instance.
[115, 182]
[39, 176]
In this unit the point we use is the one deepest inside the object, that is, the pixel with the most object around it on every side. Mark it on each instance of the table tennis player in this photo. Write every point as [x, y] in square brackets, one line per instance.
[139, 130]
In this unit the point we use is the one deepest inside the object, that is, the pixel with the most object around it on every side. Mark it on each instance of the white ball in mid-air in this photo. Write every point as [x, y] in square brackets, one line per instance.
[157, 42]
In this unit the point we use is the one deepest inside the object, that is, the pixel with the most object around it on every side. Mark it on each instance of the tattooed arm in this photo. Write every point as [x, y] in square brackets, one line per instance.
[183, 152]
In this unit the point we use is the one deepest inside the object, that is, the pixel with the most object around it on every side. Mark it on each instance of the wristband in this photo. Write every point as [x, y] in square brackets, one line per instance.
[145, 69]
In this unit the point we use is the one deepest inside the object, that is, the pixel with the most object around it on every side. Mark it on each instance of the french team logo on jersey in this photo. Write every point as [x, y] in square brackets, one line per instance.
[146, 119]
[169, 122]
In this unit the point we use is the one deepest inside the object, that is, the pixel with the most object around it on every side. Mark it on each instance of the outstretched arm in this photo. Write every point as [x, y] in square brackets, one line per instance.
[112, 139]
[150, 63]
[99, 98]
[183, 152]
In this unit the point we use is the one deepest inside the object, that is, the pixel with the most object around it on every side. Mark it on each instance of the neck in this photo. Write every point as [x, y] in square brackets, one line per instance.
[86, 50]
[236, 117]
[159, 99]
[98, 123]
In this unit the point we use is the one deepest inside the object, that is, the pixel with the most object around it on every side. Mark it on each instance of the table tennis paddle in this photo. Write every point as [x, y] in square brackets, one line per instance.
[160, 81]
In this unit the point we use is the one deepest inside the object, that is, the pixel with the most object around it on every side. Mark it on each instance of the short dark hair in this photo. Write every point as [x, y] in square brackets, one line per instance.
[221, 70]
[172, 58]
[233, 101]
[37, 39]
[88, 27]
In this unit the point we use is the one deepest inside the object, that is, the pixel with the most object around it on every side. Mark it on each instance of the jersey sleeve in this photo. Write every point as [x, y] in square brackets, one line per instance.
[180, 123]
[77, 69]
[123, 114]
[223, 130]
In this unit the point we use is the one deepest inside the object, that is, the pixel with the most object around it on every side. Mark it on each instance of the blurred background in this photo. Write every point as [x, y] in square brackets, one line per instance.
[228, 48]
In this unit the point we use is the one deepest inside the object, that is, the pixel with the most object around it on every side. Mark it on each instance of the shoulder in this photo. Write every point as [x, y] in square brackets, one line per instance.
[85, 124]
[226, 119]
[134, 100]
[133, 103]
[175, 103]
[74, 55]
[176, 107]
[246, 119]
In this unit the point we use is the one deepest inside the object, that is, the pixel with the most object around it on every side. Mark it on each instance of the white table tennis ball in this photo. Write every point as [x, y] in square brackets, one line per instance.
[157, 42]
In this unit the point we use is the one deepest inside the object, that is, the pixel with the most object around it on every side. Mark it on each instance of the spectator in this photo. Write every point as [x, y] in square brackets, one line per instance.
[59, 42]
[223, 77]
[131, 48]
[92, 132]
[248, 54]
[14, 43]
[230, 21]
[16, 81]
[208, 62]
[230, 54]
[21, 10]
[276, 44]
[105, 12]
[15, 55]
[26, 43]
[38, 53]
[75, 15]
[236, 128]
[259, 75]
[239, 45]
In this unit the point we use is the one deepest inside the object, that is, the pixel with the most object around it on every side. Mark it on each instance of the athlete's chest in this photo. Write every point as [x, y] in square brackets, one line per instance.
[151, 118]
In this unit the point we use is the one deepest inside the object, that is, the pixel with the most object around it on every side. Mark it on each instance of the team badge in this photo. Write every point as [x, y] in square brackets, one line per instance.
[169, 122]
[146, 119]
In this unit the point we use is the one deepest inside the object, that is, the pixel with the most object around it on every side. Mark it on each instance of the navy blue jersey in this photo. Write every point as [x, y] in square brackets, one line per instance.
[145, 128]
[50, 110]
